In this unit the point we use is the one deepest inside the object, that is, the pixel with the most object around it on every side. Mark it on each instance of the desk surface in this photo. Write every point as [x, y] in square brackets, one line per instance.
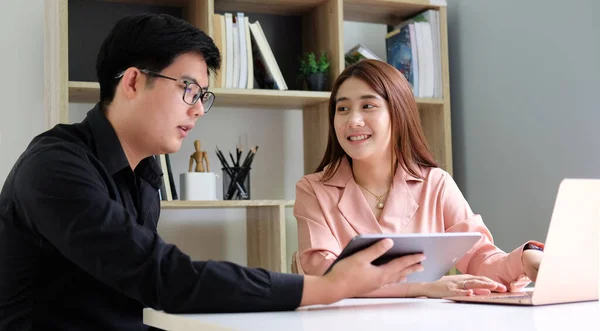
[392, 314]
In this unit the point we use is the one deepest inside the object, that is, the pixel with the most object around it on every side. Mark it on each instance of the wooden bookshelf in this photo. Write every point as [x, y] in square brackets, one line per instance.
[89, 92]
[322, 23]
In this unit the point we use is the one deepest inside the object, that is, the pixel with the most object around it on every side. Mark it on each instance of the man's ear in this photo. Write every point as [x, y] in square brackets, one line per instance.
[130, 82]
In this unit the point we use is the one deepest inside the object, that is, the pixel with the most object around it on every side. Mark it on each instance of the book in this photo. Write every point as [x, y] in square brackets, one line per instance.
[425, 46]
[399, 50]
[357, 53]
[171, 178]
[249, 60]
[266, 70]
[241, 55]
[221, 43]
[229, 50]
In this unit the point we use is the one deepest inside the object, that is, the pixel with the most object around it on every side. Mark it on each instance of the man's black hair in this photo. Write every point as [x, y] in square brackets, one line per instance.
[149, 41]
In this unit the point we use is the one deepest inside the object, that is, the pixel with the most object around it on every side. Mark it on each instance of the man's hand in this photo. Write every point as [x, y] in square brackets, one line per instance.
[531, 263]
[355, 275]
[456, 285]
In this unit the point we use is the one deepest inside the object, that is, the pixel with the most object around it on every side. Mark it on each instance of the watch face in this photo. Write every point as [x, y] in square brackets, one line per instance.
[532, 246]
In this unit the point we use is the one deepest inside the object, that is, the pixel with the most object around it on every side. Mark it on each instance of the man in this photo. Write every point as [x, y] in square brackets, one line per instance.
[79, 210]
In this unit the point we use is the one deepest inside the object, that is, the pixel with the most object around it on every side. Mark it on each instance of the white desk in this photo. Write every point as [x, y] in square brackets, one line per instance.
[393, 314]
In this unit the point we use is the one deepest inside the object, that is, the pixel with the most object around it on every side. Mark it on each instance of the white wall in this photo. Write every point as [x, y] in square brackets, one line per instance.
[21, 87]
[525, 110]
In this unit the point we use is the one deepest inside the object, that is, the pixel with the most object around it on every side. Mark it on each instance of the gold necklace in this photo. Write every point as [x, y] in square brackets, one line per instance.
[379, 198]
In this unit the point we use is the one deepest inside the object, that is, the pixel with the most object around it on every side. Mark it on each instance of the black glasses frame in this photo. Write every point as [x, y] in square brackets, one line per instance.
[187, 84]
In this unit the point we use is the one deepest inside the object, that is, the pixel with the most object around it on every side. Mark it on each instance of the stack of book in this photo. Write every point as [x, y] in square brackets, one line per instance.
[248, 61]
[413, 47]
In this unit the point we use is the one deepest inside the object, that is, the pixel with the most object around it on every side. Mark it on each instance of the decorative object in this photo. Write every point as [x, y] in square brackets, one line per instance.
[315, 72]
[200, 157]
[236, 178]
[200, 184]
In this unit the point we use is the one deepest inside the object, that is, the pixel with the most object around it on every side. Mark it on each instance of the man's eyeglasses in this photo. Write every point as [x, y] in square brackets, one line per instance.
[192, 92]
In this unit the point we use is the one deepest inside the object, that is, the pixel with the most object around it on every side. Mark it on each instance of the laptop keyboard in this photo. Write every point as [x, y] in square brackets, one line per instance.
[515, 296]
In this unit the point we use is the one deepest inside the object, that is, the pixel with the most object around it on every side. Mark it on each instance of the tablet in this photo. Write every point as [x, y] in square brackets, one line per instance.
[442, 250]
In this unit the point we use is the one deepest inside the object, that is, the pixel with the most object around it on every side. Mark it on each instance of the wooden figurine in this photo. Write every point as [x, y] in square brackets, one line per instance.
[200, 157]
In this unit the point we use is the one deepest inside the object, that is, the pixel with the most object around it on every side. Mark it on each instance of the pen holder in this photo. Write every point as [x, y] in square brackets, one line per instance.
[236, 183]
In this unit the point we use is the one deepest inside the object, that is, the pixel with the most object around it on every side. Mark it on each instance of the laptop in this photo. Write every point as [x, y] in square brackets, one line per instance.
[569, 271]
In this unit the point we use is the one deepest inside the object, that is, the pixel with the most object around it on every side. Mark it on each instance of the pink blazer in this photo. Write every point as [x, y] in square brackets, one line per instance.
[329, 213]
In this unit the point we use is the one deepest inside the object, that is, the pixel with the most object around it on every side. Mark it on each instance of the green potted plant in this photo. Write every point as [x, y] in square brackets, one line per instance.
[315, 72]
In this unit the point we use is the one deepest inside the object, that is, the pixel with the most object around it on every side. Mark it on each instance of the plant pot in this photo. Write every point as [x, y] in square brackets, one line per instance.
[317, 81]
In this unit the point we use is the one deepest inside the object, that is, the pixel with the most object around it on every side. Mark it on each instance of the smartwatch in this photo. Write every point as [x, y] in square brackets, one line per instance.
[532, 246]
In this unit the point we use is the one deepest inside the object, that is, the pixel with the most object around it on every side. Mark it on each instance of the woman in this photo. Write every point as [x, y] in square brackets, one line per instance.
[378, 176]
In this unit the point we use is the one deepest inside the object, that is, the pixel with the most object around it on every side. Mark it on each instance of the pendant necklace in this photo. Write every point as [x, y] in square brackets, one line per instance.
[380, 203]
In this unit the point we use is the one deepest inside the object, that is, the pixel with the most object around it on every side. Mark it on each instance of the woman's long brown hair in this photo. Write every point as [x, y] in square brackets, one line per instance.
[409, 144]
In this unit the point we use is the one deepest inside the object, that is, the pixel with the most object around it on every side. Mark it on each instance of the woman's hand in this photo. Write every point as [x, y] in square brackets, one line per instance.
[531, 263]
[456, 285]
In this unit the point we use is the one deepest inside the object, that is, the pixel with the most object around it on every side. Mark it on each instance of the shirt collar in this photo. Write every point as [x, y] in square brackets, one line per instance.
[108, 147]
[110, 151]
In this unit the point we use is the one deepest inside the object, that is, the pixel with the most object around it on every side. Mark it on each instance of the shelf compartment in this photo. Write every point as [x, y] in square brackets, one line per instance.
[265, 228]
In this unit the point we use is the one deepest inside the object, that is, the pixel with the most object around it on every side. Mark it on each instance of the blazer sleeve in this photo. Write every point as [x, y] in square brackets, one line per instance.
[484, 258]
[317, 245]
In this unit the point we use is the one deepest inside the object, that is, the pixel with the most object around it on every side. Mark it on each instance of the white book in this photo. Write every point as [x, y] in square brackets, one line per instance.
[273, 62]
[236, 55]
[243, 57]
[221, 43]
[433, 16]
[265, 51]
[250, 58]
[229, 51]
[421, 56]
[429, 66]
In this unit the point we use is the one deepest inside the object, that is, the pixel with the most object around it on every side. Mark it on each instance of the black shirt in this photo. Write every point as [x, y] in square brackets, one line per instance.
[79, 247]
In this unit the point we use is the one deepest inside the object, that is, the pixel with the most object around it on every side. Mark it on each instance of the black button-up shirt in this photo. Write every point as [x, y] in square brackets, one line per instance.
[79, 247]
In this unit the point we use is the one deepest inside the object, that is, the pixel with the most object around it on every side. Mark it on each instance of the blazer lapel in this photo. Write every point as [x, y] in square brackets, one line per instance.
[400, 206]
[352, 204]
[357, 212]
